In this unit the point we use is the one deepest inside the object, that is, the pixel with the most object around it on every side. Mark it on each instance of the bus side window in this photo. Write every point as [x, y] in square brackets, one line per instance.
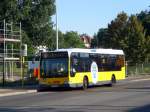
[120, 61]
[102, 64]
[74, 64]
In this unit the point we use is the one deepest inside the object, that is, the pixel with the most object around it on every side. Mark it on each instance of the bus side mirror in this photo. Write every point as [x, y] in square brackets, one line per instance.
[73, 72]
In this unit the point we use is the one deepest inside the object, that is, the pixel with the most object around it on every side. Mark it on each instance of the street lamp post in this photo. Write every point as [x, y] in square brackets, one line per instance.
[56, 27]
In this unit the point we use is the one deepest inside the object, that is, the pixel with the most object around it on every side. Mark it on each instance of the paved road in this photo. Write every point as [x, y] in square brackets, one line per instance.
[125, 97]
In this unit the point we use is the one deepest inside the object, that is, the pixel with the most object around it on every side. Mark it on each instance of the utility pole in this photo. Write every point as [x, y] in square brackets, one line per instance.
[56, 27]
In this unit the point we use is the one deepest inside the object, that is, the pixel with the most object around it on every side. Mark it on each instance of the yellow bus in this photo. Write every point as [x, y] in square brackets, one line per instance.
[81, 67]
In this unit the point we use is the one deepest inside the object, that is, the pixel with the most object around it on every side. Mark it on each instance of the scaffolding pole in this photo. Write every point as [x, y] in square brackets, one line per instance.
[9, 38]
[22, 75]
[4, 57]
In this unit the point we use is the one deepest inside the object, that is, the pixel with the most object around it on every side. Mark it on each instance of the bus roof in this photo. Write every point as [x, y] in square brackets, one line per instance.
[101, 51]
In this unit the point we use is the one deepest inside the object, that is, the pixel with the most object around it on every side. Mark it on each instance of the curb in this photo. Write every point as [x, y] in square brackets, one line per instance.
[138, 80]
[18, 93]
[138, 77]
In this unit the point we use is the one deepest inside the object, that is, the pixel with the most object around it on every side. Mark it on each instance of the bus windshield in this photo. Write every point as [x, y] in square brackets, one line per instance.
[54, 67]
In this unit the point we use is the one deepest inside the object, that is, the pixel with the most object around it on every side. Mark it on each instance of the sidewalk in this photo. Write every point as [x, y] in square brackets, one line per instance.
[10, 92]
[135, 77]
[7, 91]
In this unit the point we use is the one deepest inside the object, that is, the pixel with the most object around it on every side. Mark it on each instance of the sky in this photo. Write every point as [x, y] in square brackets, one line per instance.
[87, 16]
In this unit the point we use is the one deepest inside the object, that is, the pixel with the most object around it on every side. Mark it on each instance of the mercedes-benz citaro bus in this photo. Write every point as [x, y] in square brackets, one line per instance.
[81, 67]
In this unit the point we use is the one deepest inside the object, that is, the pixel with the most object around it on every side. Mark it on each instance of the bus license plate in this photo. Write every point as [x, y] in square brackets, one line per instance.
[54, 86]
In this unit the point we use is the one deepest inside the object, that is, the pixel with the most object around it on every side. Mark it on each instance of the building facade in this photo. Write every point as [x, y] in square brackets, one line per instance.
[87, 40]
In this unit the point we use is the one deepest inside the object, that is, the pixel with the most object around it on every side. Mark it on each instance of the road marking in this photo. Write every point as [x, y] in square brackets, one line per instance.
[18, 93]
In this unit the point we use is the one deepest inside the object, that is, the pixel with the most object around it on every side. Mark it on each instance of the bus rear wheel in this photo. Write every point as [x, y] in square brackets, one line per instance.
[85, 83]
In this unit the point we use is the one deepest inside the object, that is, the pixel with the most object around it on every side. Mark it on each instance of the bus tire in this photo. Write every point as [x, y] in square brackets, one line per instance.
[85, 83]
[39, 89]
[113, 80]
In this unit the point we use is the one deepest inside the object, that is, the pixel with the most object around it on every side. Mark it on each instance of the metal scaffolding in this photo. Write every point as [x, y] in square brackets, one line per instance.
[10, 47]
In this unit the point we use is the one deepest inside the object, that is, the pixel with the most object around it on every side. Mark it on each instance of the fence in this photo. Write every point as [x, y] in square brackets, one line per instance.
[138, 69]
[14, 72]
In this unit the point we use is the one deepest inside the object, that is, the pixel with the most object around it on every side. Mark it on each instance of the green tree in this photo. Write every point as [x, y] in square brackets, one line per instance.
[136, 50]
[125, 33]
[72, 40]
[117, 32]
[37, 22]
[94, 41]
[100, 39]
[51, 42]
[144, 17]
[147, 48]
[35, 16]
[115, 36]
[9, 10]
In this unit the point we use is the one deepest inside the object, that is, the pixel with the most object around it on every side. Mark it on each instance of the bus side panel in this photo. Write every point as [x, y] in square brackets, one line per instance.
[78, 78]
[120, 75]
[102, 76]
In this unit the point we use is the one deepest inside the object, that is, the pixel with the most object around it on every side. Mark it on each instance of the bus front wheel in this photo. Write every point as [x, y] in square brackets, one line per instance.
[85, 83]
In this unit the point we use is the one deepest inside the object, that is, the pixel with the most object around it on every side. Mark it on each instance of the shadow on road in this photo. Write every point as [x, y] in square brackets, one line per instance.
[47, 89]
[76, 108]
[27, 109]
[142, 88]
[38, 109]
[145, 108]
